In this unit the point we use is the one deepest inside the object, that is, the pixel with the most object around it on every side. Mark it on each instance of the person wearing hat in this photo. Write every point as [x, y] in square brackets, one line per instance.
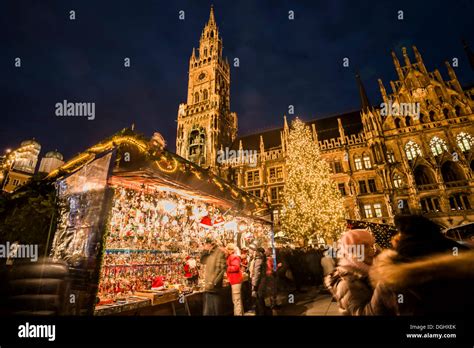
[349, 282]
[234, 275]
[425, 274]
[214, 259]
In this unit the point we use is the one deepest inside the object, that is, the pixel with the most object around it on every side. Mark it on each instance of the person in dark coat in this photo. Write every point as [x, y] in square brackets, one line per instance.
[349, 282]
[214, 259]
[258, 279]
[426, 274]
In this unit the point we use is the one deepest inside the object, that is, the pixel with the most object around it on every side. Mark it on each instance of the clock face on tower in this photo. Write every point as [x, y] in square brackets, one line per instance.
[202, 76]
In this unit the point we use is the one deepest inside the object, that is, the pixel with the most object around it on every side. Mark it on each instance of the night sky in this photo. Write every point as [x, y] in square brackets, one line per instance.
[282, 62]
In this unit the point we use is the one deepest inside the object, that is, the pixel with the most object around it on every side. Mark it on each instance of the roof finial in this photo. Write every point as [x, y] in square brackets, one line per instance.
[212, 20]
[363, 94]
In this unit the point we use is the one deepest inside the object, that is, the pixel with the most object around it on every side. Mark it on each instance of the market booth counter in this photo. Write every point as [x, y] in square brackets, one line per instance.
[134, 218]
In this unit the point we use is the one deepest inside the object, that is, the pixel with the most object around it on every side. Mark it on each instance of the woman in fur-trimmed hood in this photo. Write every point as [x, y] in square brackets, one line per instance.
[425, 274]
[349, 282]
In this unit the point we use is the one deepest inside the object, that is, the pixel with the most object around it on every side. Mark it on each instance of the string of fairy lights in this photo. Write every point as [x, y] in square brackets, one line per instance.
[313, 206]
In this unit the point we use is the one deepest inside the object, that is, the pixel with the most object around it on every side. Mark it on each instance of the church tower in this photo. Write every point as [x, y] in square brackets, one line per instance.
[205, 123]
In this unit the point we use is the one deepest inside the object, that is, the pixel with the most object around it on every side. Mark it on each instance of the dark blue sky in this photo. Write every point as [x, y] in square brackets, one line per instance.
[282, 62]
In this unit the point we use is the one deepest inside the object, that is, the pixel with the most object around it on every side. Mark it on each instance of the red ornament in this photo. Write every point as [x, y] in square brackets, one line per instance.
[206, 222]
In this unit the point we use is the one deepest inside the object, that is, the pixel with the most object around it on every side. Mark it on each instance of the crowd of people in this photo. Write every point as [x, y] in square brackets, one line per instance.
[254, 264]
[423, 273]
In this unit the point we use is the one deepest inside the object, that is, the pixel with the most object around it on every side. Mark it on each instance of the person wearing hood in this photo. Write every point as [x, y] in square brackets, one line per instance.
[258, 277]
[349, 282]
[425, 274]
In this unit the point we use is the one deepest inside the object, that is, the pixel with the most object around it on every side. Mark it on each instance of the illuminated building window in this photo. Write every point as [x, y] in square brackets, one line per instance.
[412, 150]
[397, 181]
[378, 209]
[430, 204]
[390, 157]
[358, 163]
[368, 211]
[276, 174]
[367, 162]
[459, 202]
[464, 141]
[438, 146]
[253, 178]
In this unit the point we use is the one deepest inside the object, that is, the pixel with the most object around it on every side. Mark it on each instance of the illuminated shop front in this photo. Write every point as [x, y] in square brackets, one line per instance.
[135, 217]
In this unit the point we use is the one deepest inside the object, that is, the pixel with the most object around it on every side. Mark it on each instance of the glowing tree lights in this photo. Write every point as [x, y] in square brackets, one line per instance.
[313, 206]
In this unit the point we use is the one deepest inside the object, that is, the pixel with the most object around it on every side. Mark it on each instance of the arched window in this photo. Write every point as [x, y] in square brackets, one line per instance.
[424, 175]
[437, 146]
[205, 95]
[432, 116]
[367, 162]
[390, 156]
[464, 141]
[358, 162]
[408, 121]
[196, 97]
[446, 112]
[397, 180]
[451, 171]
[212, 34]
[412, 150]
[397, 123]
[205, 52]
[457, 110]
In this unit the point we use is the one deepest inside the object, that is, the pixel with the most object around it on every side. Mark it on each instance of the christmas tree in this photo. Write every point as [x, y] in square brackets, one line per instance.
[313, 206]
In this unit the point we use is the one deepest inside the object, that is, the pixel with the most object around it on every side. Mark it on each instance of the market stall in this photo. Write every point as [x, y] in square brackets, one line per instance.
[135, 217]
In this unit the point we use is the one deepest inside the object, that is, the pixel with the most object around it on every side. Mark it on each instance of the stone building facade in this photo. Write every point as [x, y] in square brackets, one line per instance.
[412, 154]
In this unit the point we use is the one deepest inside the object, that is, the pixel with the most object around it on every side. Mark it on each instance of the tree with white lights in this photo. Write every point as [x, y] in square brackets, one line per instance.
[313, 205]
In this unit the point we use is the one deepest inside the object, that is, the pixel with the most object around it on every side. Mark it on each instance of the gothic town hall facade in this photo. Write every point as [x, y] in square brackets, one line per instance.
[383, 163]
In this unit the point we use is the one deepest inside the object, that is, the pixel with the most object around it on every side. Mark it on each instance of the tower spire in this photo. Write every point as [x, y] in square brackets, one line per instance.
[363, 95]
[470, 54]
[419, 60]
[212, 20]
[405, 57]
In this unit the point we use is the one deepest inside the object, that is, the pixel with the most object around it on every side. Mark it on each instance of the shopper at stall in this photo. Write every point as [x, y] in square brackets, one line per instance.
[214, 259]
[258, 279]
[234, 275]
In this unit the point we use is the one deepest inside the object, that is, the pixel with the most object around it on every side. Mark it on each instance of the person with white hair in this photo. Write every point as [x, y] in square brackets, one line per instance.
[234, 276]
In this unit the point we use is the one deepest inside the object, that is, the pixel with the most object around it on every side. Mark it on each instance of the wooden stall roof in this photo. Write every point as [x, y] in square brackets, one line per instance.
[140, 161]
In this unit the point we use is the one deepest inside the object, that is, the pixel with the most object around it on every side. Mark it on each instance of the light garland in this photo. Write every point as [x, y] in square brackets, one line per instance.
[313, 206]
